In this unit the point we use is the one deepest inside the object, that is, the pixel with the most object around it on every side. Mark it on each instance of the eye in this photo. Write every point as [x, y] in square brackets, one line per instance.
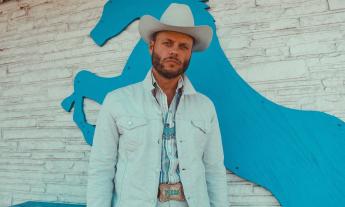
[184, 47]
[167, 43]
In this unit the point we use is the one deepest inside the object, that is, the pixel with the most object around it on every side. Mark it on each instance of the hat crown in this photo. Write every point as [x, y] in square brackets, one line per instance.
[178, 18]
[178, 15]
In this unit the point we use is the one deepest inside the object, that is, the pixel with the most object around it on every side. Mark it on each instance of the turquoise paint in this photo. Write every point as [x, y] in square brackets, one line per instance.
[298, 155]
[46, 204]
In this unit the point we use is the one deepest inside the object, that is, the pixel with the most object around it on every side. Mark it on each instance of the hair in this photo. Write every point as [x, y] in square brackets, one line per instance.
[154, 36]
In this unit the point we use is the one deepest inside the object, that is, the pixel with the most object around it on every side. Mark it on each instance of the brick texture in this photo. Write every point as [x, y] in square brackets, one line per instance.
[291, 51]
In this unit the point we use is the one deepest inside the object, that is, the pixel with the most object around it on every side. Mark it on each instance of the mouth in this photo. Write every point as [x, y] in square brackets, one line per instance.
[174, 61]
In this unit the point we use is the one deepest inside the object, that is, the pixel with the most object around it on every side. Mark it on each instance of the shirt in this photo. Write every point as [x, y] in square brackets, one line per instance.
[170, 172]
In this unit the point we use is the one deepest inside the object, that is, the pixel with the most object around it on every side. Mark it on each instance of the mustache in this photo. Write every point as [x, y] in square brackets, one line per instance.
[171, 58]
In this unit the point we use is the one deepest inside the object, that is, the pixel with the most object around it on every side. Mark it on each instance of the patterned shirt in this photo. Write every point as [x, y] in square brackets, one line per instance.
[170, 172]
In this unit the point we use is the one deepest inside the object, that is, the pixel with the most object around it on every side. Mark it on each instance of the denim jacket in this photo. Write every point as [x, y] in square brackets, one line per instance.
[125, 158]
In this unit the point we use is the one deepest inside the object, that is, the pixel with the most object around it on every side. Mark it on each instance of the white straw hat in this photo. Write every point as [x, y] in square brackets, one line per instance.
[178, 18]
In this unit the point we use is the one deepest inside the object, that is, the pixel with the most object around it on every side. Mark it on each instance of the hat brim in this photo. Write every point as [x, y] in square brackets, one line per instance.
[202, 35]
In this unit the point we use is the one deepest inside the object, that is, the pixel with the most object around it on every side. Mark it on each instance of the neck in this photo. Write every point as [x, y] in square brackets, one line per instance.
[167, 85]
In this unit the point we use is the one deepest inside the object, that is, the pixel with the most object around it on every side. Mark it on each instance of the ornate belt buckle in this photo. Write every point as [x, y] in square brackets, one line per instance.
[171, 192]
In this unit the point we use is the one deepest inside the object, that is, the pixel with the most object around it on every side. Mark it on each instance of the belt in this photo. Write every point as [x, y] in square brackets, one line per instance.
[168, 192]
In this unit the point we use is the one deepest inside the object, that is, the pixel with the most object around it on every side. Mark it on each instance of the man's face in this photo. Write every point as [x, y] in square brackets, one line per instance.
[171, 53]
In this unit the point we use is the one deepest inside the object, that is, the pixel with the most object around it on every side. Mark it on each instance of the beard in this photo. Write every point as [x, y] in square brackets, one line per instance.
[156, 62]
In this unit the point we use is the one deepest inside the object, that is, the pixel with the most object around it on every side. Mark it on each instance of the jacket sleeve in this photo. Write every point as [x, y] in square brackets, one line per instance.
[103, 158]
[213, 160]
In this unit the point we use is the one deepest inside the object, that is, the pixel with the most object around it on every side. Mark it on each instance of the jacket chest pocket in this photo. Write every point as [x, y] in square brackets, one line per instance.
[132, 131]
[199, 130]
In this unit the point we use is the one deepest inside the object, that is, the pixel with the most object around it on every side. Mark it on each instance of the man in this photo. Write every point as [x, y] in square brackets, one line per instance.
[157, 142]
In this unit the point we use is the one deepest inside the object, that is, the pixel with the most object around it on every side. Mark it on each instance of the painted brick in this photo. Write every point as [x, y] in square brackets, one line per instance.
[292, 51]
[314, 6]
[312, 48]
[37, 176]
[336, 4]
[78, 190]
[76, 179]
[28, 146]
[39, 133]
[322, 19]
[3, 27]
[22, 197]
[333, 58]
[275, 71]
[5, 199]
[58, 155]
[58, 166]
[316, 36]
[45, 75]
[21, 167]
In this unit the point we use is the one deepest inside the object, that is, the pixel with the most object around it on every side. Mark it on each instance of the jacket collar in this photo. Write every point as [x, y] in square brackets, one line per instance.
[188, 88]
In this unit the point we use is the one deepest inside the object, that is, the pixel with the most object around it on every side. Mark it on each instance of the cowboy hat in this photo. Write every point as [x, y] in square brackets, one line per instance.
[178, 18]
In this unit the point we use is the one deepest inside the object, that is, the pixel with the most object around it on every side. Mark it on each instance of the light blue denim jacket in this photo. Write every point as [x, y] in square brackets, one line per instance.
[125, 158]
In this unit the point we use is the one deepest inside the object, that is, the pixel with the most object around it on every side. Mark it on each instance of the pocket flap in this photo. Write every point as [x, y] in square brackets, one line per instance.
[131, 122]
[201, 124]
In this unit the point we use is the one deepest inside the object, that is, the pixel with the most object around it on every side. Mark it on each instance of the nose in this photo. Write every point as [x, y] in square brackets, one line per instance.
[173, 54]
[173, 51]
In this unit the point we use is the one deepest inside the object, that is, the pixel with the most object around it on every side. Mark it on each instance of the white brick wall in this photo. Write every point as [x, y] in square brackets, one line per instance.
[44, 43]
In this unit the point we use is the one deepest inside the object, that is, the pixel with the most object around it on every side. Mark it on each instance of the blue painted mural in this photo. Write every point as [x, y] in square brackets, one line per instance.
[297, 155]
[45, 204]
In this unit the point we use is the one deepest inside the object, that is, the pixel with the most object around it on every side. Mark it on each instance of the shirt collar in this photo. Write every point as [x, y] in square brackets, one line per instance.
[155, 84]
[184, 81]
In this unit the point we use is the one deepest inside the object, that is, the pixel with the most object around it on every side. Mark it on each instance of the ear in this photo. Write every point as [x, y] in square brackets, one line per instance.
[151, 45]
